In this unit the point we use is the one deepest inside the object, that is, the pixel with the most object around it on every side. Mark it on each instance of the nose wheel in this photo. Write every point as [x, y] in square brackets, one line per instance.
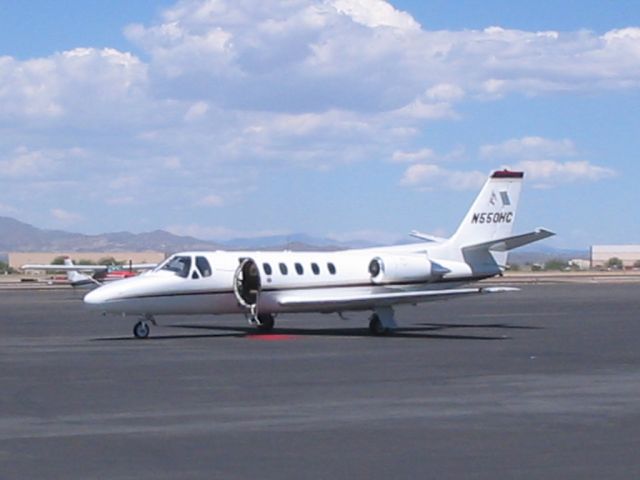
[141, 329]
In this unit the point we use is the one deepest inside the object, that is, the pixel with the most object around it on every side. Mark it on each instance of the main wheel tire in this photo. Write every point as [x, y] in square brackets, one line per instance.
[267, 321]
[376, 327]
[141, 330]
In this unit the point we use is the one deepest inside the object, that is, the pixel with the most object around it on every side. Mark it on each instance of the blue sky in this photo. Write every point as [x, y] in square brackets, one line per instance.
[341, 118]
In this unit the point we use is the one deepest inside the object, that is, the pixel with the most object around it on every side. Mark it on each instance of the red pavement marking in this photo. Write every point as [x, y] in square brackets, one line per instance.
[270, 337]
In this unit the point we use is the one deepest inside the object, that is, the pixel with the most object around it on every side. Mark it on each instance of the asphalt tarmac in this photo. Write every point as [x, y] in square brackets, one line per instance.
[543, 383]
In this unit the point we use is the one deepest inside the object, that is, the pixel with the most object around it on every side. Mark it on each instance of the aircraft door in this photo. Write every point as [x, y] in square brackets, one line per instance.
[247, 285]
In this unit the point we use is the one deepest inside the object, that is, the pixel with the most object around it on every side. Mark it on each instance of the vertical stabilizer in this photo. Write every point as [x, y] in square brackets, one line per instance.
[74, 277]
[493, 213]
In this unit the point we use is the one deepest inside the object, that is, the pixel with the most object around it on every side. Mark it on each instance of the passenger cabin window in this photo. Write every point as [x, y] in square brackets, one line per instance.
[203, 266]
[315, 269]
[267, 268]
[180, 265]
[283, 269]
[332, 268]
[299, 269]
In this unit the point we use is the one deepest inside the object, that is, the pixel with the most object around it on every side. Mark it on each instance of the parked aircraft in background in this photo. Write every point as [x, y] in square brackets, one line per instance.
[92, 275]
[264, 284]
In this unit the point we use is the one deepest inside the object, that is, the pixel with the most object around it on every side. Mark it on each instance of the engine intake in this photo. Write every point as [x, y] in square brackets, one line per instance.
[400, 268]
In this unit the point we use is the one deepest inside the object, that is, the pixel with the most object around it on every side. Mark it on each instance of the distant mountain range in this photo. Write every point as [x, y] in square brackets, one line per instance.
[17, 236]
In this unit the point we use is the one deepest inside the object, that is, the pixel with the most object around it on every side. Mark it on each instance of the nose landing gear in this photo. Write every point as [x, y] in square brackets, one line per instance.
[141, 329]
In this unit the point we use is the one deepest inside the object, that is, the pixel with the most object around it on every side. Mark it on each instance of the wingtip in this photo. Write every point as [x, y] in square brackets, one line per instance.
[546, 231]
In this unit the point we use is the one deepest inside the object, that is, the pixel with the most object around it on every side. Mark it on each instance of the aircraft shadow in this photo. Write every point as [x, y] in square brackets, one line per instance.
[131, 338]
[504, 326]
[432, 331]
[402, 332]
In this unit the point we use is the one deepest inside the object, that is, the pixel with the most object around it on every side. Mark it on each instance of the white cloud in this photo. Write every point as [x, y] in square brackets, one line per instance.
[380, 237]
[220, 233]
[375, 13]
[527, 148]
[27, 163]
[432, 176]
[549, 172]
[237, 88]
[6, 209]
[306, 56]
[445, 92]
[322, 55]
[24, 162]
[125, 182]
[414, 157]
[196, 111]
[427, 155]
[539, 157]
[120, 200]
[200, 231]
[172, 163]
[83, 82]
[422, 110]
[64, 216]
[211, 201]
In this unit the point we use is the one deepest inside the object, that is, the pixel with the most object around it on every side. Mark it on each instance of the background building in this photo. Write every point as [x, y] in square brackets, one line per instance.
[600, 255]
[17, 259]
[580, 264]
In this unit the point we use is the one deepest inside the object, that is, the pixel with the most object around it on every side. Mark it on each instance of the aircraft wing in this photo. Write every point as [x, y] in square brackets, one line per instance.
[88, 268]
[335, 299]
[427, 236]
[139, 266]
[66, 268]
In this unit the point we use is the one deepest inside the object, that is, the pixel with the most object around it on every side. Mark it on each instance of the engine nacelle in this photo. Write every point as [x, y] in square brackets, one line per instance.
[400, 268]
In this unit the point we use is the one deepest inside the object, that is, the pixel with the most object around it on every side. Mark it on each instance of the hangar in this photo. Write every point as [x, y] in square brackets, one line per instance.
[629, 254]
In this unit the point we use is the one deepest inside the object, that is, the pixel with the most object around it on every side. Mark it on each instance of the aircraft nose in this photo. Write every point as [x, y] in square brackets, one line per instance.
[97, 297]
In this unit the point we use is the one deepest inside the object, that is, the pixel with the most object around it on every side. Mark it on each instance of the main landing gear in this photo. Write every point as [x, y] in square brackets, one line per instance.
[263, 321]
[382, 322]
[142, 329]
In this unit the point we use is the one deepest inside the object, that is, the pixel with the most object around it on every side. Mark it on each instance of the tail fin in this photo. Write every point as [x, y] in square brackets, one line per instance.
[74, 277]
[494, 211]
[484, 237]
[492, 214]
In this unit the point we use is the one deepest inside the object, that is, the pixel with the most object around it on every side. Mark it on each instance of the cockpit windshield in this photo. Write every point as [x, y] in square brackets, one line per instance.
[179, 264]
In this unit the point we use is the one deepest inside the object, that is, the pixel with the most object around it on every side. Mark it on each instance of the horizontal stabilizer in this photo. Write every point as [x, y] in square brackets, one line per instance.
[509, 243]
[427, 237]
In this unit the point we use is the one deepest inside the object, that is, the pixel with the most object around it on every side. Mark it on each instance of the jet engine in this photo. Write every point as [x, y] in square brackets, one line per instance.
[400, 268]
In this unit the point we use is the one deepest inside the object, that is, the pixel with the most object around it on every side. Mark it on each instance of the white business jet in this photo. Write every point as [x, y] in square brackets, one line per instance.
[261, 285]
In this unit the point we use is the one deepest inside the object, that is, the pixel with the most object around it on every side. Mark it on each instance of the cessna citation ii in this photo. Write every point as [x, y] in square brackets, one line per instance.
[261, 285]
